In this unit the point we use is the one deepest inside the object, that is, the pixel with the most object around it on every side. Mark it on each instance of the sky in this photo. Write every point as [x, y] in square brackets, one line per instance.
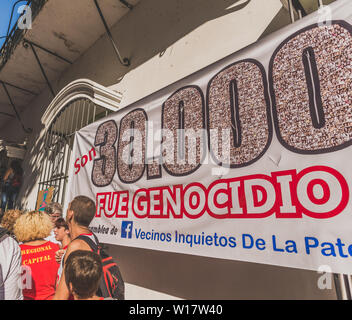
[5, 15]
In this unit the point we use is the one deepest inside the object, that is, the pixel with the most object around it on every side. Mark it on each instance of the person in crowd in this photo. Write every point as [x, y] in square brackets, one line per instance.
[54, 210]
[80, 213]
[10, 267]
[11, 185]
[83, 271]
[9, 219]
[62, 234]
[38, 255]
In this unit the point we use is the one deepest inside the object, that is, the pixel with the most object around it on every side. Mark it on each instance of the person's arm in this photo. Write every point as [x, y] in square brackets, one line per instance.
[7, 173]
[62, 292]
[58, 255]
[13, 289]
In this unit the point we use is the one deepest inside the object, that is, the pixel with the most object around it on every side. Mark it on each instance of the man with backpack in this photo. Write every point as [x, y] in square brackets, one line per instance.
[10, 267]
[80, 213]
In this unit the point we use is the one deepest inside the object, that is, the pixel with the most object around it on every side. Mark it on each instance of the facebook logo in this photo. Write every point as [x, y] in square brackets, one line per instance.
[126, 229]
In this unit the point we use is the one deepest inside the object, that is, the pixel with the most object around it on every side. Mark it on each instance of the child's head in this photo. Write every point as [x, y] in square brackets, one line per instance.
[83, 271]
[61, 229]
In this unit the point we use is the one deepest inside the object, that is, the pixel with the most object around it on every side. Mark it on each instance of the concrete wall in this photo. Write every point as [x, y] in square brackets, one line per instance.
[163, 275]
[166, 41]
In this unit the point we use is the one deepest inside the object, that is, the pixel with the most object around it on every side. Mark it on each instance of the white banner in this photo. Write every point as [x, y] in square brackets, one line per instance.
[247, 159]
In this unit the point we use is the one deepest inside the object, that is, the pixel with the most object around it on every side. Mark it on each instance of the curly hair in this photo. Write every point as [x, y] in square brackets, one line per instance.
[9, 219]
[33, 225]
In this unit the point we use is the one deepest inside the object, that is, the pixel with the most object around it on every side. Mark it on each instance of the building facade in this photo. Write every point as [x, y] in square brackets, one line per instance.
[84, 59]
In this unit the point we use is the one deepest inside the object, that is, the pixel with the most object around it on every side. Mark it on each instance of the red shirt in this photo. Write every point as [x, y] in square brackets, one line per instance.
[39, 279]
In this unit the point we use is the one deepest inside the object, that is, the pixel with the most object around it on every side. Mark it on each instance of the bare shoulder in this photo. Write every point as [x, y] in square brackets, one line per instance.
[77, 244]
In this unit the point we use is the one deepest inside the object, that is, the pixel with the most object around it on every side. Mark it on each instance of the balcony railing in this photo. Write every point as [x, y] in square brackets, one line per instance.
[16, 34]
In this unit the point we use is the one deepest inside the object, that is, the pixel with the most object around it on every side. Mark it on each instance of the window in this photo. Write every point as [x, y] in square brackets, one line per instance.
[58, 143]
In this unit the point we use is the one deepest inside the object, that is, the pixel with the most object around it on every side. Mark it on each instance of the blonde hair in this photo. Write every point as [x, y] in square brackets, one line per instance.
[9, 219]
[33, 225]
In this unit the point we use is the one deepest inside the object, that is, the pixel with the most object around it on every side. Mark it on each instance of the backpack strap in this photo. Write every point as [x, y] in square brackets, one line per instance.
[96, 240]
[94, 246]
[3, 234]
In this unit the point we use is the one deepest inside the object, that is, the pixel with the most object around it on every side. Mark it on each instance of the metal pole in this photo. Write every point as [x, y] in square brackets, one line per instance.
[72, 129]
[43, 160]
[49, 158]
[94, 112]
[337, 287]
[64, 148]
[347, 287]
[41, 68]
[124, 61]
[7, 114]
[80, 109]
[128, 5]
[46, 154]
[320, 3]
[29, 130]
[298, 7]
[299, 14]
[62, 153]
[290, 9]
[88, 109]
[82, 116]
[19, 88]
[349, 282]
[342, 286]
[75, 126]
[47, 51]
[54, 143]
